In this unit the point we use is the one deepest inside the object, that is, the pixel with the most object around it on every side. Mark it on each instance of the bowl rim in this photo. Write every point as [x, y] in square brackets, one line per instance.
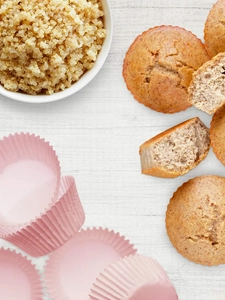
[85, 78]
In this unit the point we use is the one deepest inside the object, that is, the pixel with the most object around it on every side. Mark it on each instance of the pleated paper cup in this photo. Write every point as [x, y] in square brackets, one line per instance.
[72, 269]
[29, 180]
[55, 227]
[133, 278]
[18, 277]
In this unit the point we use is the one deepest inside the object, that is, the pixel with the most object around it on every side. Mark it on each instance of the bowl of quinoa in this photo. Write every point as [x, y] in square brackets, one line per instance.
[50, 49]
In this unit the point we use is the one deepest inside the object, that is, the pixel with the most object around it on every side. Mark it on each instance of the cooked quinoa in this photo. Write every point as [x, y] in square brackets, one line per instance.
[46, 45]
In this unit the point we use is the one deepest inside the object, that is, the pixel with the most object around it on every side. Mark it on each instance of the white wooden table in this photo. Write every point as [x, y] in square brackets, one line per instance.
[97, 133]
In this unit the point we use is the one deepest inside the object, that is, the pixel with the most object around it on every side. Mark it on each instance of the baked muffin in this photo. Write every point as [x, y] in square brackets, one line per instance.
[207, 88]
[195, 220]
[175, 151]
[217, 134]
[214, 31]
[158, 67]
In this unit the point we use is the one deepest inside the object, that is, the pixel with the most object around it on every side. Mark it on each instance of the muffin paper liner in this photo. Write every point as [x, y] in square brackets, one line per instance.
[29, 180]
[72, 269]
[19, 279]
[135, 278]
[61, 222]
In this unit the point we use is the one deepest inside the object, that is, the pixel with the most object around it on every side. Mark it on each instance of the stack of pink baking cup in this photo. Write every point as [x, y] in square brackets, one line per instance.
[133, 278]
[40, 212]
[39, 209]
[18, 277]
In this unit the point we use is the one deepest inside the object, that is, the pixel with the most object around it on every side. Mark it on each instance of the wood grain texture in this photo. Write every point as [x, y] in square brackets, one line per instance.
[97, 133]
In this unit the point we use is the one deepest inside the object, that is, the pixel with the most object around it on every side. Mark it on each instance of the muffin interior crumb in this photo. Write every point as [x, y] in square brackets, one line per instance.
[207, 91]
[180, 149]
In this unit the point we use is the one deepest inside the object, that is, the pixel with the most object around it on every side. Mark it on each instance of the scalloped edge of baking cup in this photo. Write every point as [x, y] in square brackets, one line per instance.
[19, 279]
[135, 277]
[40, 210]
[71, 270]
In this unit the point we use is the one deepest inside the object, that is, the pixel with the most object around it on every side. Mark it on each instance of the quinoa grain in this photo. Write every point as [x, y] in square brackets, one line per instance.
[46, 45]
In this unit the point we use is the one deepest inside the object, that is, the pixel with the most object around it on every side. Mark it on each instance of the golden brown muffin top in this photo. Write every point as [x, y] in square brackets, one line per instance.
[217, 134]
[159, 64]
[195, 220]
[214, 31]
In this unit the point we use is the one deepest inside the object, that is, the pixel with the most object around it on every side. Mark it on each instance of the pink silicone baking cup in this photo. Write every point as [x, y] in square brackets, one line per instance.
[133, 278]
[72, 269]
[18, 277]
[29, 180]
[61, 222]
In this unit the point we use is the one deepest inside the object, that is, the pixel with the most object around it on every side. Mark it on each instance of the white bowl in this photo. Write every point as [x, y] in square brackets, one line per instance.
[84, 80]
